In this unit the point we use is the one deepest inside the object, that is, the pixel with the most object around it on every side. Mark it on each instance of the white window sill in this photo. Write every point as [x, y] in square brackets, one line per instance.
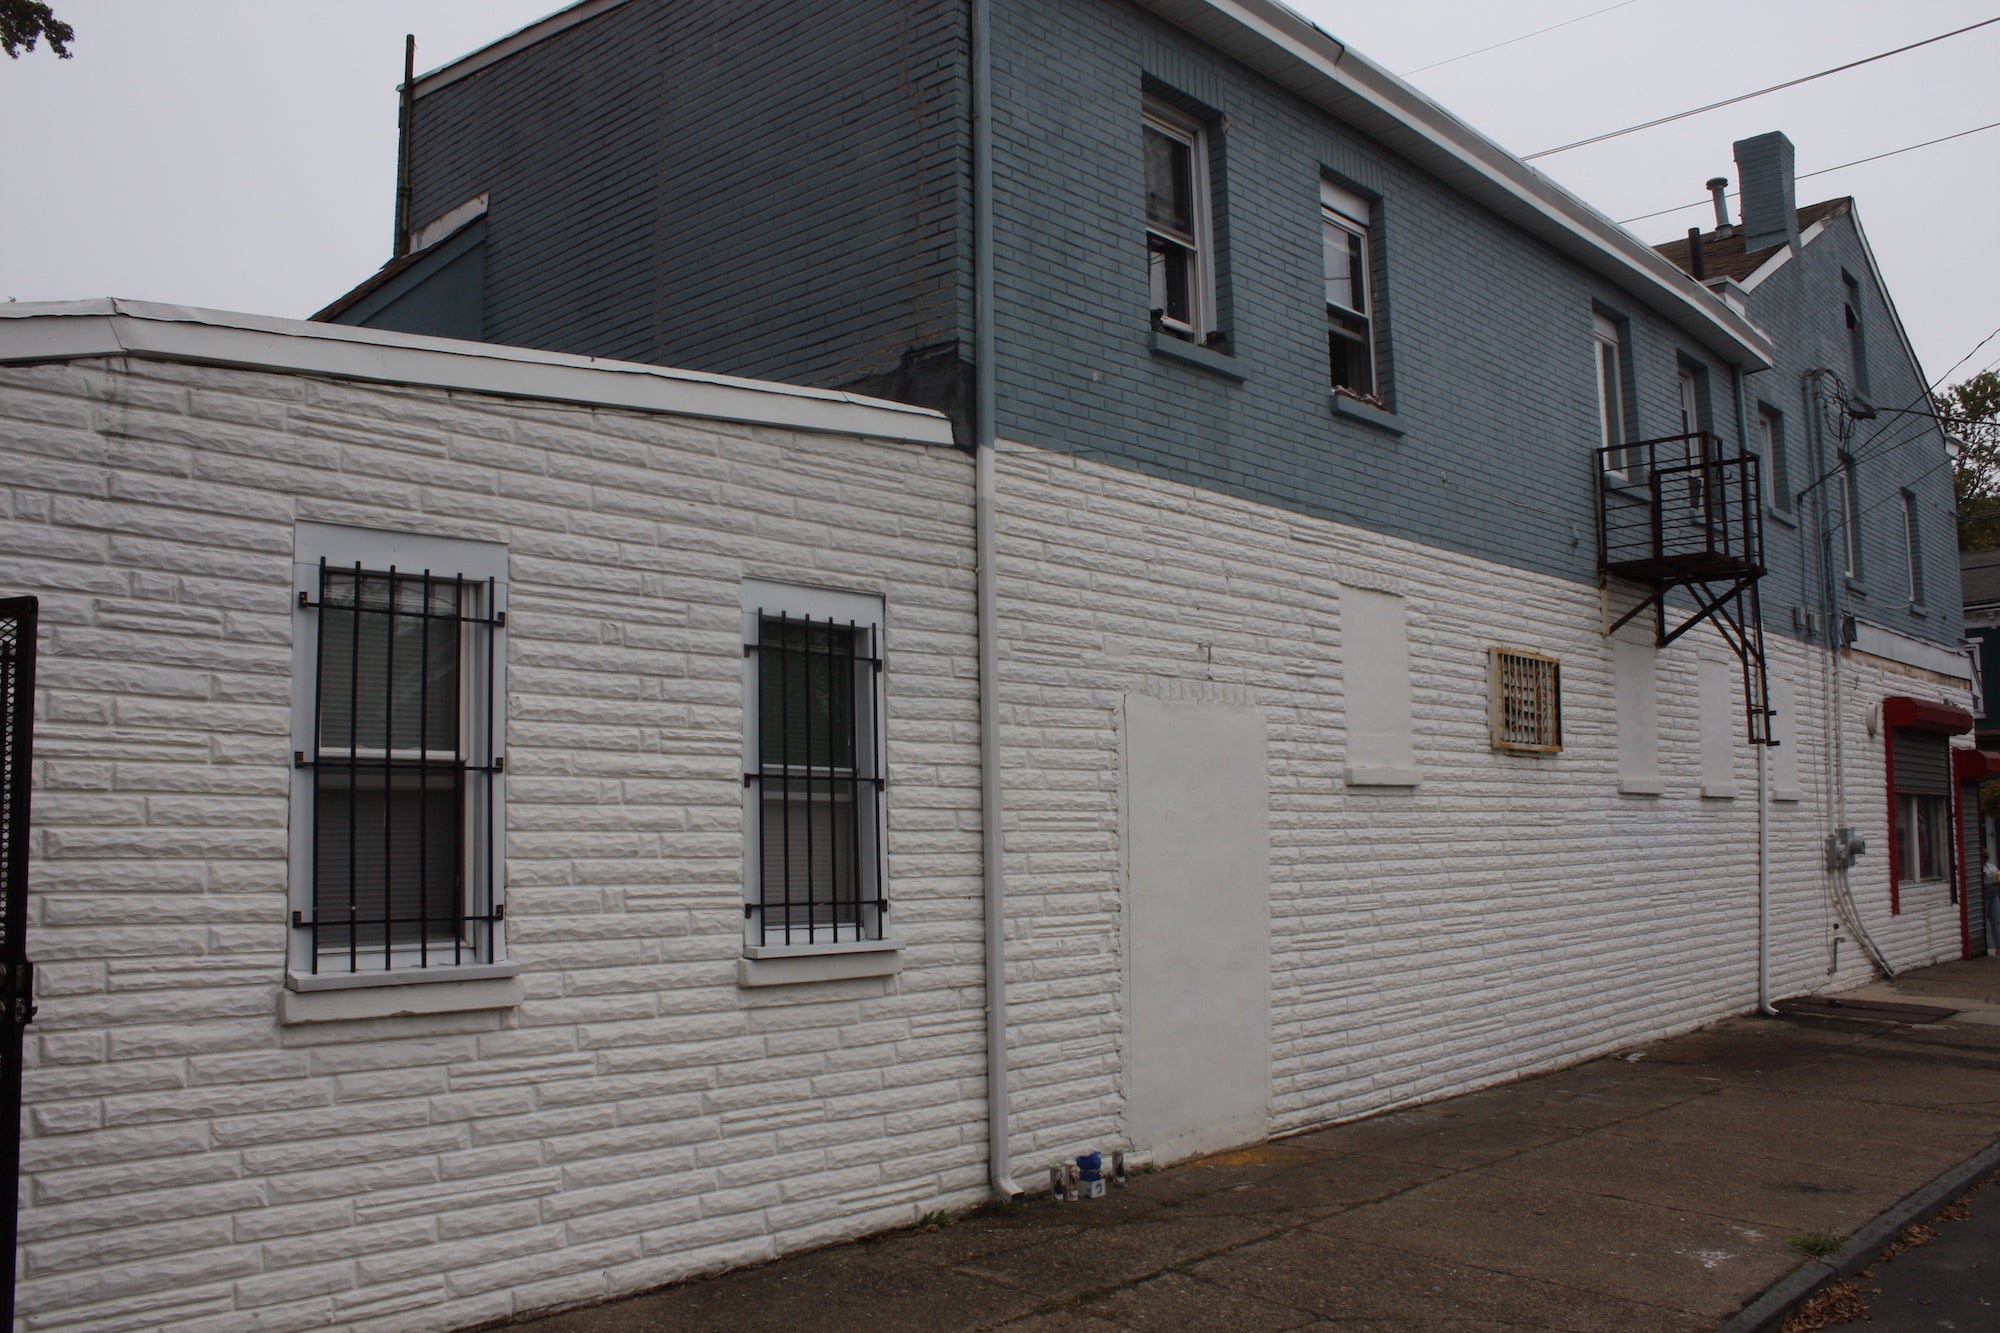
[818, 950]
[1788, 794]
[401, 976]
[450, 996]
[1719, 791]
[883, 958]
[1641, 786]
[1360, 775]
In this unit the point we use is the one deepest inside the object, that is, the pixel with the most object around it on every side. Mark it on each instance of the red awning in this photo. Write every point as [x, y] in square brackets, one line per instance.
[1923, 715]
[1975, 765]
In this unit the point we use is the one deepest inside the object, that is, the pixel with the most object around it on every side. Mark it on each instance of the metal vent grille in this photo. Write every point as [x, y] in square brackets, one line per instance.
[1526, 701]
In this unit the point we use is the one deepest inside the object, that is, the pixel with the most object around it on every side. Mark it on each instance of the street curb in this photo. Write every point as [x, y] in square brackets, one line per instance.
[1769, 1310]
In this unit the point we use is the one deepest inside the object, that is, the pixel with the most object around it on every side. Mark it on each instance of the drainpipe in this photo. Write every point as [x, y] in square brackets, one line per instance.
[1763, 757]
[986, 543]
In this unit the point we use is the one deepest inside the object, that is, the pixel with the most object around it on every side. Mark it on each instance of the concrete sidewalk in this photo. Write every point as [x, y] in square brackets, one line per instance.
[1653, 1190]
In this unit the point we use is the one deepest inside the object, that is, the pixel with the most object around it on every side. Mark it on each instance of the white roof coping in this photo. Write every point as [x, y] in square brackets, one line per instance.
[71, 330]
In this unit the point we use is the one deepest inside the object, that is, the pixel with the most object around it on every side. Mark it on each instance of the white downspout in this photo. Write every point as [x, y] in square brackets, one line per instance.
[986, 543]
[1763, 774]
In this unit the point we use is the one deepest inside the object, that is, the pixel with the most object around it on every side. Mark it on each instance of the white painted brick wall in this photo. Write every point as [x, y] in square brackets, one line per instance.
[190, 1163]
[638, 1118]
[1513, 913]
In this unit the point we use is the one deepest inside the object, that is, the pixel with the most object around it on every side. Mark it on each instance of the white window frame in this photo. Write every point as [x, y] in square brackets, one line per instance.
[764, 599]
[481, 955]
[1347, 212]
[1607, 341]
[1177, 125]
[1913, 549]
[1850, 517]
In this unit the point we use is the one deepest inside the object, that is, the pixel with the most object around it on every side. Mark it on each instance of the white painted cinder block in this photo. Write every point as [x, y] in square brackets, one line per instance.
[632, 1115]
[637, 1115]
[1514, 912]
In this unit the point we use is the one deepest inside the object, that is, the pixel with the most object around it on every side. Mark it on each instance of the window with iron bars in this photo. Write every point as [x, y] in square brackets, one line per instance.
[813, 774]
[397, 807]
[1526, 701]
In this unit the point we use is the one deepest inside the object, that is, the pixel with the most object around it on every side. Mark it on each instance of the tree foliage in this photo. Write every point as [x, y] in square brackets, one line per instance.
[24, 22]
[1971, 411]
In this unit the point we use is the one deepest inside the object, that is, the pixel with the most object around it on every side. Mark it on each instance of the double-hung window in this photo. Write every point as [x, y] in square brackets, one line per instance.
[1610, 351]
[1847, 500]
[813, 775]
[1179, 246]
[1922, 838]
[397, 793]
[1777, 464]
[1913, 548]
[1350, 306]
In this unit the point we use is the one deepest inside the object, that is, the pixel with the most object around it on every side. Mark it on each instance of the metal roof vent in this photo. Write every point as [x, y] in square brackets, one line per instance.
[1717, 187]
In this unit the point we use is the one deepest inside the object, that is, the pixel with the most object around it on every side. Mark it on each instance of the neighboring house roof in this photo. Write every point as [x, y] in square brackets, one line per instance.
[1979, 571]
[61, 331]
[1723, 255]
[375, 282]
[1749, 270]
[1294, 53]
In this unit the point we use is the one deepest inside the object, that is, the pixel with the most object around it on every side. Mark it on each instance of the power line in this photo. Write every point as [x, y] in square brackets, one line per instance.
[1744, 97]
[1738, 194]
[1522, 38]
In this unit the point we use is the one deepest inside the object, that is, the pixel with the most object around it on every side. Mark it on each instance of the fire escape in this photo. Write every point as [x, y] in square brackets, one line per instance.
[1675, 516]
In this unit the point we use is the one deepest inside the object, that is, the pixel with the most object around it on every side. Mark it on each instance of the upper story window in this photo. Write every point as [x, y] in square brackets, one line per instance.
[1609, 347]
[1847, 500]
[1350, 305]
[1778, 466]
[397, 796]
[1857, 337]
[1179, 244]
[1913, 548]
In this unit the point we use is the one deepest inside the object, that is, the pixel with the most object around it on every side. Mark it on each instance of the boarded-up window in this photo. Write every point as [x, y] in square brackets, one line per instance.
[1375, 650]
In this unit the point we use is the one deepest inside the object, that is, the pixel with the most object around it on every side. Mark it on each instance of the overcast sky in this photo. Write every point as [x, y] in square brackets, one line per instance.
[240, 154]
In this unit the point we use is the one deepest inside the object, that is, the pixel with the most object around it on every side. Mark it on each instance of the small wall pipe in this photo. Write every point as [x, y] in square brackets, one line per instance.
[986, 543]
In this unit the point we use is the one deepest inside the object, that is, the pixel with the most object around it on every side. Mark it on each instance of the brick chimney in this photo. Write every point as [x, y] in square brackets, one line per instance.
[1770, 205]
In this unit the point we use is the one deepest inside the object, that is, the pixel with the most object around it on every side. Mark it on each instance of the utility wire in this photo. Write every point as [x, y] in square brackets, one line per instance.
[1435, 64]
[1744, 97]
[1738, 194]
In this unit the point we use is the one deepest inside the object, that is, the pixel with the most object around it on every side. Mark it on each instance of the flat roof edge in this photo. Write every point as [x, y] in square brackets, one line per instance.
[74, 330]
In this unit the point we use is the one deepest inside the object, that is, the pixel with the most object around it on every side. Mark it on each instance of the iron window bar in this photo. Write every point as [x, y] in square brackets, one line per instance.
[825, 684]
[458, 914]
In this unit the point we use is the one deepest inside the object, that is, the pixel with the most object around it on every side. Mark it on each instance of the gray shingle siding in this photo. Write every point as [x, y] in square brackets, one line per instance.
[1800, 305]
[767, 190]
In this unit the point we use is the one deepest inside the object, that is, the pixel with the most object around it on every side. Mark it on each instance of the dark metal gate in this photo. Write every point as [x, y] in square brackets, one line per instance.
[17, 974]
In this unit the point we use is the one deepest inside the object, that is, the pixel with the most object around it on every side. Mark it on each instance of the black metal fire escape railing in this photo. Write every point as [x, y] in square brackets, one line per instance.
[1676, 515]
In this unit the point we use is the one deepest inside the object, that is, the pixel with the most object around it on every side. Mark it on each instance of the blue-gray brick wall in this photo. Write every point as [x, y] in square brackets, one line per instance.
[1486, 331]
[782, 190]
[774, 190]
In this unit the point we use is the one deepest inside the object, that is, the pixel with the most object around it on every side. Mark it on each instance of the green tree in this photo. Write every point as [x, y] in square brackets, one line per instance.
[23, 22]
[1971, 411]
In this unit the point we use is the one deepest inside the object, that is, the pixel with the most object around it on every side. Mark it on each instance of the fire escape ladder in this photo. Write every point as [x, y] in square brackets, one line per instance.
[1675, 515]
